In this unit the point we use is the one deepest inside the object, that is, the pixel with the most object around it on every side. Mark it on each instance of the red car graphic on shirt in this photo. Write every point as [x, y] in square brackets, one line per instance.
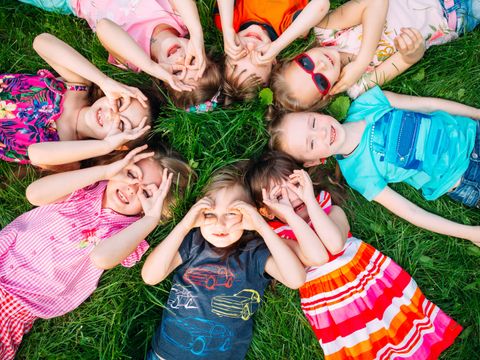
[210, 276]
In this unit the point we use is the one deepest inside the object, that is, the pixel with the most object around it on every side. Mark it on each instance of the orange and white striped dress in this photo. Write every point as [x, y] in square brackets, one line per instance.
[362, 305]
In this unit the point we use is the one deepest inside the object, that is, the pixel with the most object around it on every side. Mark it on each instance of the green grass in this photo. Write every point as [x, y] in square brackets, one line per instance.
[119, 319]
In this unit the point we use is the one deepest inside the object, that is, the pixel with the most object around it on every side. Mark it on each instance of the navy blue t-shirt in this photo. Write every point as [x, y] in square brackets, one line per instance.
[211, 303]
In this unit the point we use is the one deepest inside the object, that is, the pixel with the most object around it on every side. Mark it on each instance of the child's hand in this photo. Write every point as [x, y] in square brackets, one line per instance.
[265, 55]
[232, 45]
[172, 74]
[152, 197]
[195, 216]
[350, 74]
[196, 50]
[114, 91]
[117, 136]
[114, 169]
[251, 219]
[410, 44]
[277, 200]
[304, 188]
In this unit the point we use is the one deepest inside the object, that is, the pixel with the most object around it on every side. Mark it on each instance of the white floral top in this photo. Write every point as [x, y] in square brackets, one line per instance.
[425, 15]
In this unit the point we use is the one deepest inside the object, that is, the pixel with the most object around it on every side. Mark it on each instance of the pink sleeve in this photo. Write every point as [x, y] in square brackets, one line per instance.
[92, 191]
[136, 255]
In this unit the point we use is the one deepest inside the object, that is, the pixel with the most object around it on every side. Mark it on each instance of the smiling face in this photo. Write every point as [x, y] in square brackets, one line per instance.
[220, 219]
[300, 83]
[98, 118]
[171, 49]
[310, 137]
[298, 205]
[121, 196]
[252, 38]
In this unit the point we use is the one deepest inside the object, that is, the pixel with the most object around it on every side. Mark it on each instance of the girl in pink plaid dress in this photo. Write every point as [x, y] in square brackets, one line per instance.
[87, 220]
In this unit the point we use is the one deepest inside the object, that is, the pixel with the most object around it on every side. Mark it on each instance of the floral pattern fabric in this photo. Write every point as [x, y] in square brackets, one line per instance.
[29, 107]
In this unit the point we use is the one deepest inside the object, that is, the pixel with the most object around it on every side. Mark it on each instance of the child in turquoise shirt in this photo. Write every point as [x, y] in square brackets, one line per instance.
[431, 144]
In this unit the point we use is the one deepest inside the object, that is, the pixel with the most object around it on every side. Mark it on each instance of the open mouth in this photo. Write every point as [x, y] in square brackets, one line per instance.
[122, 197]
[173, 49]
[254, 36]
[100, 117]
[330, 59]
[333, 135]
[299, 207]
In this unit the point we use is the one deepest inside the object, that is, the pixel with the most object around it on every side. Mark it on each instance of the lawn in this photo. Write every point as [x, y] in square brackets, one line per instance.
[118, 321]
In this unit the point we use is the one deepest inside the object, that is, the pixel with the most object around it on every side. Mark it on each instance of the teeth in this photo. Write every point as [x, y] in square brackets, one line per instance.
[122, 197]
[332, 136]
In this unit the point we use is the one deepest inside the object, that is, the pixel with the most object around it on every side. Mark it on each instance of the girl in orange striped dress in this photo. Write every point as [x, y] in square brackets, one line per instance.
[359, 302]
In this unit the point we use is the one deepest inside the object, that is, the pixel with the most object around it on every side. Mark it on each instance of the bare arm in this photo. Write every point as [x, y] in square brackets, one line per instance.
[124, 48]
[52, 188]
[428, 105]
[424, 219]
[283, 264]
[187, 9]
[332, 229]
[307, 19]
[373, 15]
[166, 257]
[67, 61]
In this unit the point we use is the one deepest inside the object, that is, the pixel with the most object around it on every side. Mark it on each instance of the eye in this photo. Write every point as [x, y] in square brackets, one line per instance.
[121, 125]
[131, 174]
[311, 145]
[232, 214]
[146, 194]
[313, 123]
[208, 215]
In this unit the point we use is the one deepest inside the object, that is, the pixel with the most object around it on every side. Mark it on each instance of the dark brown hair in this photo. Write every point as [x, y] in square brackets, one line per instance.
[277, 166]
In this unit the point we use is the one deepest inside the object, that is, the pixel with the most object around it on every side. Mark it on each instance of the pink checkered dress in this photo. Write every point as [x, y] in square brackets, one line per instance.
[44, 256]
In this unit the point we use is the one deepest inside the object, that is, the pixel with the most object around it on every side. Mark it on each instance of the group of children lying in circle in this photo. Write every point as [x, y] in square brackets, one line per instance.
[256, 221]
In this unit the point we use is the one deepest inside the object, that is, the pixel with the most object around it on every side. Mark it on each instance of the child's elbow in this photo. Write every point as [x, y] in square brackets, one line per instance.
[41, 40]
[33, 155]
[101, 262]
[149, 278]
[32, 195]
[297, 281]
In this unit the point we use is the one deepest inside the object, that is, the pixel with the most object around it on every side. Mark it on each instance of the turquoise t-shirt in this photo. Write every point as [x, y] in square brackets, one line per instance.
[428, 151]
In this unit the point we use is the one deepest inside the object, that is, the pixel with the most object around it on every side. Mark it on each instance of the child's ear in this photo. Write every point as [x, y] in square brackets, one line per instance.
[266, 213]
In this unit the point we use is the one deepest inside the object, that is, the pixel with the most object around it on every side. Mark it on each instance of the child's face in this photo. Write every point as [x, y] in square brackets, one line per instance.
[99, 117]
[172, 50]
[297, 204]
[300, 82]
[220, 227]
[252, 38]
[310, 137]
[121, 196]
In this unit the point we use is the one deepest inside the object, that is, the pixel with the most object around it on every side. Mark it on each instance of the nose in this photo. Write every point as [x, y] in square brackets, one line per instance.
[132, 189]
[250, 46]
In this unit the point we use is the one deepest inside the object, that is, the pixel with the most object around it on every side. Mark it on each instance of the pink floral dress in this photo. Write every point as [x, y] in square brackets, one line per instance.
[29, 107]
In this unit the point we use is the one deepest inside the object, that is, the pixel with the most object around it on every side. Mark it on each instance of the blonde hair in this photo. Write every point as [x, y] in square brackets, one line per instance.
[206, 87]
[285, 98]
[238, 91]
[274, 117]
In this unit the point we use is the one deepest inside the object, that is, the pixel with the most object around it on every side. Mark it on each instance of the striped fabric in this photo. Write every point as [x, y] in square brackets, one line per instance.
[362, 305]
[15, 321]
[44, 253]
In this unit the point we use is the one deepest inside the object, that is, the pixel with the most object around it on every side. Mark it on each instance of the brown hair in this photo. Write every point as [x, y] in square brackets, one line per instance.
[183, 175]
[285, 98]
[207, 86]
[225, 178]
[278, 166]
[238, 91]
